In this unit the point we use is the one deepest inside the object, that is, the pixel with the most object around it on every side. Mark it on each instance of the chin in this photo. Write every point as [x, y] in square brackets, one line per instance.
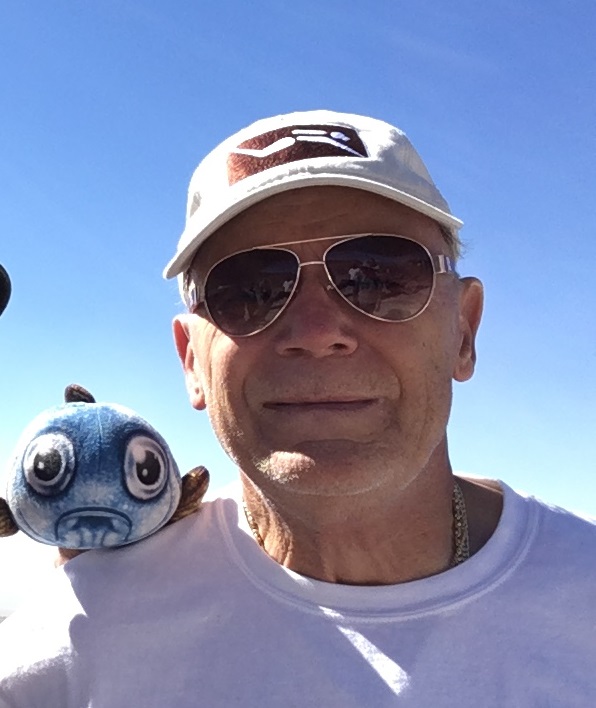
[328, 468]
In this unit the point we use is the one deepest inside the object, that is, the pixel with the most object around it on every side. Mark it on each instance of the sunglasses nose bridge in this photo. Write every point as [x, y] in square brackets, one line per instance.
[329, 284]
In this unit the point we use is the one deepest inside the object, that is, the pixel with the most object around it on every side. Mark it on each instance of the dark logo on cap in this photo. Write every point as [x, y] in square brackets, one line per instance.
[290, 144]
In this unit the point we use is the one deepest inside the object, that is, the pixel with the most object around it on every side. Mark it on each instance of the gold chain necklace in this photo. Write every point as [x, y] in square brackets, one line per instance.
[461, 534]
[461, 538]
[253, 525]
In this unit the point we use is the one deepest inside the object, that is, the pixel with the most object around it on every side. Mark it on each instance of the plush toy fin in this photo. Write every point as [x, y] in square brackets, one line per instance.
[194, 486]
[8, 526]
[74, 393]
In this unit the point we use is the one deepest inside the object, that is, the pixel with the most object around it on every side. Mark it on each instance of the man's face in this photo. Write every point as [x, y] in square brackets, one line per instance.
[327, 400]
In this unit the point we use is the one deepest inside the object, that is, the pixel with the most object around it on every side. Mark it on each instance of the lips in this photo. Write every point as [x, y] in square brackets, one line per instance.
[331, 405]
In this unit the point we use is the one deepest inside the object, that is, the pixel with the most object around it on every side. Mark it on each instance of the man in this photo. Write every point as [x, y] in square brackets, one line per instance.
[5, 289]
[349, 567]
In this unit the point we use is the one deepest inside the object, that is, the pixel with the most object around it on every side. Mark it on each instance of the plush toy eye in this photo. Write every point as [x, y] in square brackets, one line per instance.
[145, 467]
[49, 463]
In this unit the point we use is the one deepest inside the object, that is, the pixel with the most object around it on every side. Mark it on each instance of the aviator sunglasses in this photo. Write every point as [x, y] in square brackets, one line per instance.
[389, 278]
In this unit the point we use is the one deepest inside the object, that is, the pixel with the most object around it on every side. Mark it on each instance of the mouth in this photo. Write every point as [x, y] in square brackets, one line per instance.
[92, 528]
[327, 405]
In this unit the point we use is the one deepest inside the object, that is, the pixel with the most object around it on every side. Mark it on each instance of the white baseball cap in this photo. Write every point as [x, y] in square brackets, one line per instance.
[302, 150]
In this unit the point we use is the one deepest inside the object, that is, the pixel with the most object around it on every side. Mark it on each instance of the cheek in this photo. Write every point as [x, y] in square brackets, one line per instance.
[443, 336]
[218, 372]
[428, 359]
[224, 371]
[425, 403]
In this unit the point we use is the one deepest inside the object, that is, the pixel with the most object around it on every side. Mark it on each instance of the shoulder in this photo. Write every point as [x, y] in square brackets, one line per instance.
[91, 595]
[82, 578]
[555, 545]
[551, 517]
[536, 540]
[521, 511]
[567, 532]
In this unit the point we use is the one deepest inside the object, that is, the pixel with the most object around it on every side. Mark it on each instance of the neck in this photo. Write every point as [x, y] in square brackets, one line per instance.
[374, 538]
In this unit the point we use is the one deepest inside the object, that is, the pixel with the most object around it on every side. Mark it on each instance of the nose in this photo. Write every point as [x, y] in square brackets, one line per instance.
[316, 322]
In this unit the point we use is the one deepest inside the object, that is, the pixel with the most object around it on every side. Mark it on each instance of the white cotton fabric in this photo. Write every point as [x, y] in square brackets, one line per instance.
[199, 615]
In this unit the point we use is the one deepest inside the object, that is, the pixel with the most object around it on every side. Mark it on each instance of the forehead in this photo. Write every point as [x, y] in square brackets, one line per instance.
[317, 212]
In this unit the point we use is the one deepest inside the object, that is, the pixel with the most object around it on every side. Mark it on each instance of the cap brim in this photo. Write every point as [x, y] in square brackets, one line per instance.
[204, 223]
[5, 289]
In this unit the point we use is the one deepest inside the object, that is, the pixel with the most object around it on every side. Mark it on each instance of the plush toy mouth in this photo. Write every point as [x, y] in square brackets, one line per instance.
[92, 528]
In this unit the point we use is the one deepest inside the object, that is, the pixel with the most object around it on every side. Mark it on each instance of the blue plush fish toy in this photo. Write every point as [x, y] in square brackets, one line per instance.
[94, 475]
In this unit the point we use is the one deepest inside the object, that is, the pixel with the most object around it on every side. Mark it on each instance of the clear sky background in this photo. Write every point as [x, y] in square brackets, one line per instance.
[108, 105]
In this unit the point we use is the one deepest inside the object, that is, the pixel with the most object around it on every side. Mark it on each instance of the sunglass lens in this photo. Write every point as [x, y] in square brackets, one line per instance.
[245, 292]
[383, 276]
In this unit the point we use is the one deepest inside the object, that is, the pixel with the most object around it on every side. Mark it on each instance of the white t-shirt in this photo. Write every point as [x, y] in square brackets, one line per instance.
[199, 615]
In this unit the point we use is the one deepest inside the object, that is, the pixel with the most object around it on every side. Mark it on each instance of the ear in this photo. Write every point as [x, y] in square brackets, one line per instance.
[471, 299]
[182, 338]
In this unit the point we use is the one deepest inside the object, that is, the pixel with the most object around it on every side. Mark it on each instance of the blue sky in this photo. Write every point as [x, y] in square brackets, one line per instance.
[108, 105]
